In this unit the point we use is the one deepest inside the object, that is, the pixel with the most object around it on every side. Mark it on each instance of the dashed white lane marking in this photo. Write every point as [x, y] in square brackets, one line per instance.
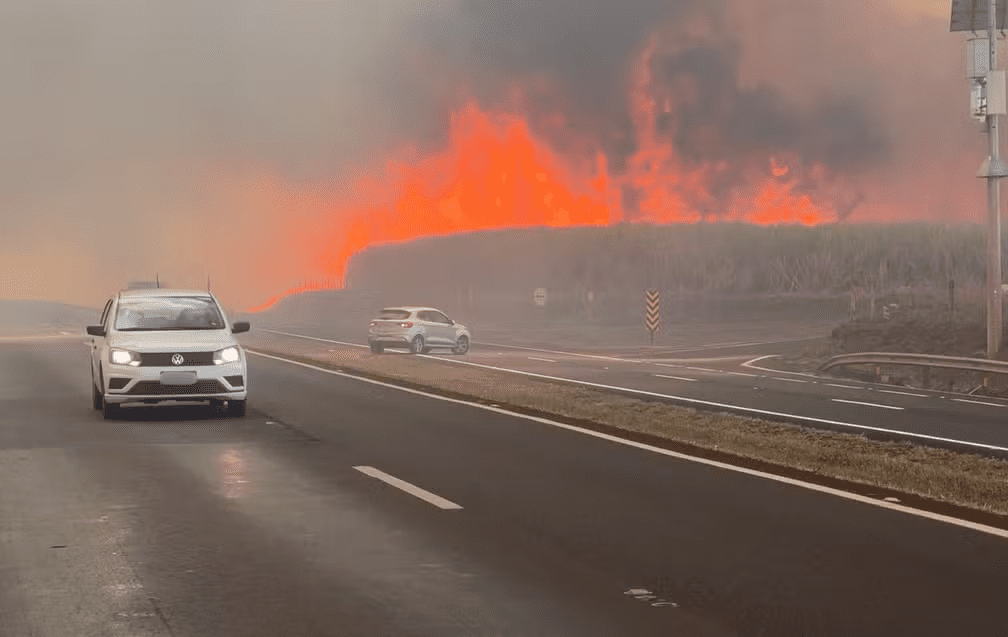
[977, 402]
[903, 393]
[673, 377]
[703, 369]
[982, 528]
[842, 386]
[741, 374]
[411, 489]
[545, 360]
[790, 380]
[858, 402]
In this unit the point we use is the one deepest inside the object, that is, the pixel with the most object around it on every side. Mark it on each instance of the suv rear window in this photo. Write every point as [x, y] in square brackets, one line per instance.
[394, 315]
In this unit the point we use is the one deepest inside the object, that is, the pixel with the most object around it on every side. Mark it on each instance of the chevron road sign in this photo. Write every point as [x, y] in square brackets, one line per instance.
[651, 311]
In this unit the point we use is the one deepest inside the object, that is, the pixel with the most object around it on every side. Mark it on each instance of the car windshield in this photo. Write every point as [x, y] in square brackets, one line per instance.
[393, 315]
[168, 313]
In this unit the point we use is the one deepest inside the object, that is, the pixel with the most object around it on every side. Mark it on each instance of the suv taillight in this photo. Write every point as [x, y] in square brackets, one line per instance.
[406, 324]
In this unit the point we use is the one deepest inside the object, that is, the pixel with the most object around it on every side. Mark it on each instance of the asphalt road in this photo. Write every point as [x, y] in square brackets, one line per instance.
[737, 376]
[170, 522]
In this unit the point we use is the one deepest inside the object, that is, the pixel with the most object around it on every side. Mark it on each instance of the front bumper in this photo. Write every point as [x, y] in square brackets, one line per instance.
[125, 384]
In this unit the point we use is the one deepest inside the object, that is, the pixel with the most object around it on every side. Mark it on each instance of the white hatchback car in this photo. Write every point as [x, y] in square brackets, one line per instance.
[164, 345]
[417, 329]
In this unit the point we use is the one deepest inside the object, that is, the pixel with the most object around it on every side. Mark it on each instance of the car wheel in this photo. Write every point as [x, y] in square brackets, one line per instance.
[377, 348]
[109, 410]
[417, 346]
[461, 345]
[236, 408]
[97, 399]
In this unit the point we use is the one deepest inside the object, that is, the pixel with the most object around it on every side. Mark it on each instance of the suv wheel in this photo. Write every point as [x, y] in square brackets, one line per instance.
[461, 345]
[236, 408]
[97, 399]
[109, 410]
[417, 346]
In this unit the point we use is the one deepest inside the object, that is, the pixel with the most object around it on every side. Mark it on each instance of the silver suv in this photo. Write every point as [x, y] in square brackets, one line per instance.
[418, 329]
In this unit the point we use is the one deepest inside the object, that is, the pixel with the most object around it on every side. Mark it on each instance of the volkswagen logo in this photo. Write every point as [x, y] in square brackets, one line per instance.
[177, 359]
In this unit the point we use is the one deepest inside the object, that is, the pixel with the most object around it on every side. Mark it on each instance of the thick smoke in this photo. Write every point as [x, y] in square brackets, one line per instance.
[206, 136]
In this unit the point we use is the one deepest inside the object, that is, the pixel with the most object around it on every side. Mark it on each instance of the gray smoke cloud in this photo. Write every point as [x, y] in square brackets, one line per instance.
[187, 136]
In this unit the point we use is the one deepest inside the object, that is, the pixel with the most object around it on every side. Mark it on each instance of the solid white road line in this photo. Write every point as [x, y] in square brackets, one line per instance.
[673, 377]
[750, 365]
[982, 528]
[545, 360]
[691, 401]
[314, 338]
[842, 386]
[739, 344]
[553, 351]
[36, 337]
[858, 402]
[411, 489]
[977, 402]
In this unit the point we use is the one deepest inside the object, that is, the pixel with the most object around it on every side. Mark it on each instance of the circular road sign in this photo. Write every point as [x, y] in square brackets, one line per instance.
[539, 296]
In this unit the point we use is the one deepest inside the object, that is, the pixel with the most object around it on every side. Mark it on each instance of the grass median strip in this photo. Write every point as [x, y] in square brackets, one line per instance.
[958, 484]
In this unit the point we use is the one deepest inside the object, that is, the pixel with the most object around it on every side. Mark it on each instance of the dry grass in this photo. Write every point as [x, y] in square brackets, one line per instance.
[932, 475]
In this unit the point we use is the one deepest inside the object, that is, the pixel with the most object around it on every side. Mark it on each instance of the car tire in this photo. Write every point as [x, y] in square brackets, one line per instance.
[97, 399]
[377, 348]
[236, 408]
[109, 410]
[417, 346]
[461, 345]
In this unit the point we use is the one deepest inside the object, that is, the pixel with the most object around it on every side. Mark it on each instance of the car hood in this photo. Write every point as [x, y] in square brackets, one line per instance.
[173, 341]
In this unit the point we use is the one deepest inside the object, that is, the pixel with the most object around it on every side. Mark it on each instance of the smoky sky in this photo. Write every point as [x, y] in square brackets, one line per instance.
[835, 132]
[143, 119]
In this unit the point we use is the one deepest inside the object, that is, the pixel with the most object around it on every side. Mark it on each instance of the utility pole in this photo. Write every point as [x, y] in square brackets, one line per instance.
[994, 173]
[988, 102]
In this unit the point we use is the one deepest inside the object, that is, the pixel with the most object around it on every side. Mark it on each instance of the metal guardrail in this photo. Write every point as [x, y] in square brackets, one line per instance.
[963, 363]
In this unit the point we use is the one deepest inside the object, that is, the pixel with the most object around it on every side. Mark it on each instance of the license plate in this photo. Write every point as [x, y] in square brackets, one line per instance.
[178, 378]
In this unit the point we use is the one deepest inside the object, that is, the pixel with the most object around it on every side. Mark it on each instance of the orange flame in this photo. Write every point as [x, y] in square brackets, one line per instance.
[495, 173]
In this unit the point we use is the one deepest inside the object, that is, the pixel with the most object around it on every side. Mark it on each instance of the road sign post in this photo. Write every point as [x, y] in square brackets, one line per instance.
[651, 312]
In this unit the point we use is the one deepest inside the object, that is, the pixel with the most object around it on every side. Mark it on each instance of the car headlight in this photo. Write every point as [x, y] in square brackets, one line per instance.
[226, 355]
[124, 357]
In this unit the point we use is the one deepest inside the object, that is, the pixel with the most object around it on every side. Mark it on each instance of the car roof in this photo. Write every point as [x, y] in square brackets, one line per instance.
[410, 308]
[159, 292]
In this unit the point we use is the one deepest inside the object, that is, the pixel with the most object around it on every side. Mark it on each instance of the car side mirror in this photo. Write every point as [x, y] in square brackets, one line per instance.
[451, 321]
[95, 330]
[239, 327]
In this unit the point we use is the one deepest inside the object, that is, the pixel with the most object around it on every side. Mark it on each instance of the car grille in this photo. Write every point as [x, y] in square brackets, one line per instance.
[164, 359]
[155, 388]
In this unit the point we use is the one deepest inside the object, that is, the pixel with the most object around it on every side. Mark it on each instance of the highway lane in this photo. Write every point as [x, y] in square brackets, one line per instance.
[930, 417]
[174, 521]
